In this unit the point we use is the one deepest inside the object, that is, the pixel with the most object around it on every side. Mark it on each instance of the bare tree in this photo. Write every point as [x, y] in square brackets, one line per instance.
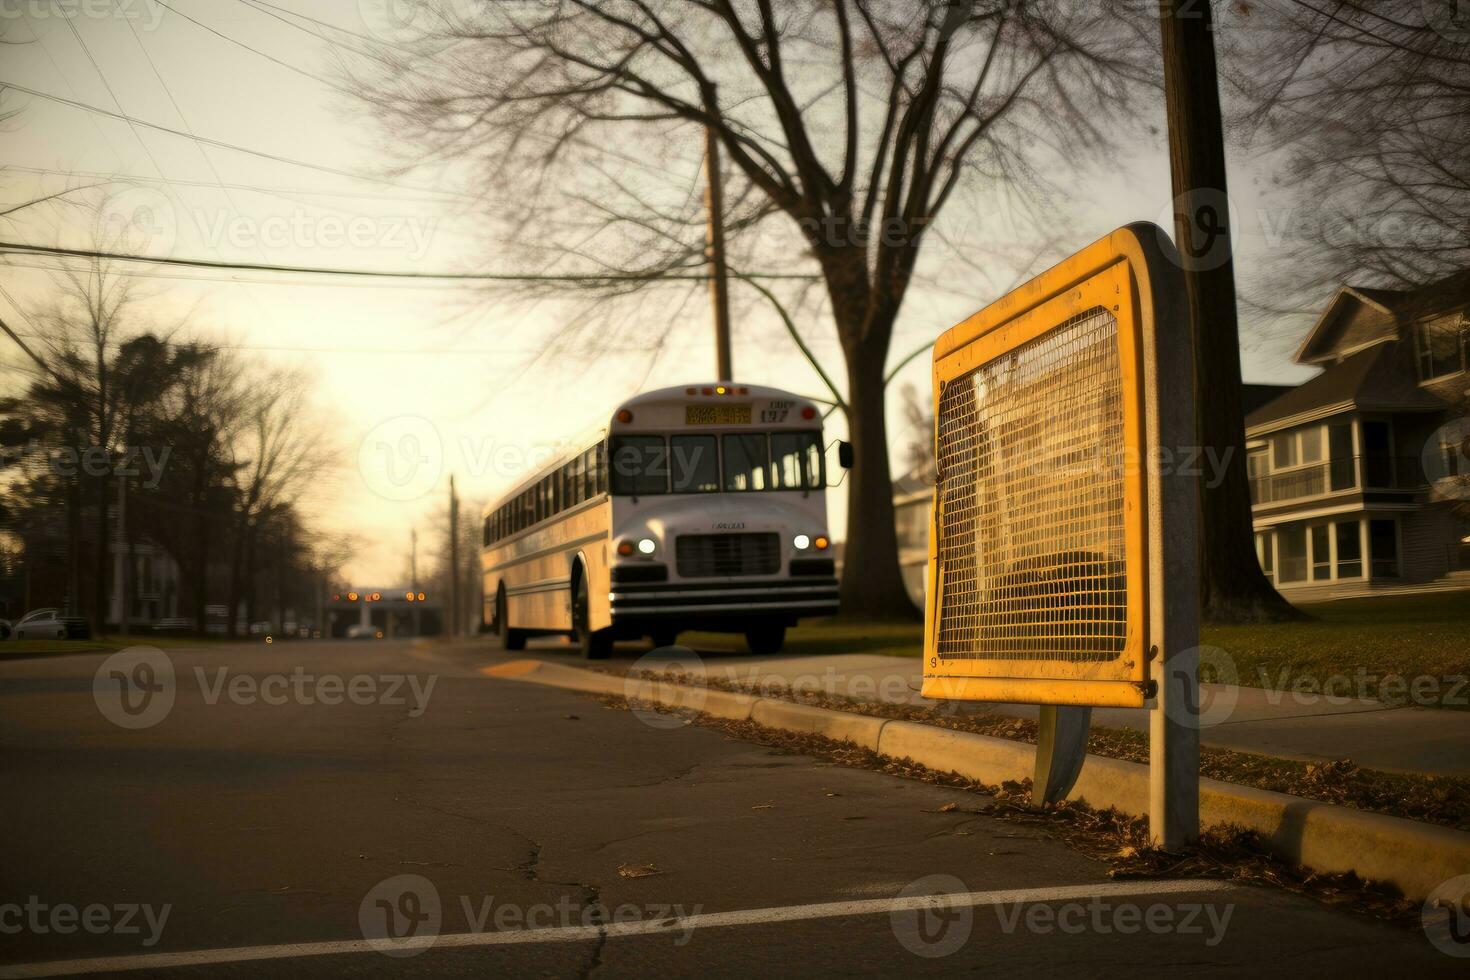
[87, 321]
[1370, 104]
[281, 449]
[851, 122]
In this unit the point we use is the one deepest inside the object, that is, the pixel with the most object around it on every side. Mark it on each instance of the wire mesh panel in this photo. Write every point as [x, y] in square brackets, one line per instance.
[1052, 566]
[1031, 462]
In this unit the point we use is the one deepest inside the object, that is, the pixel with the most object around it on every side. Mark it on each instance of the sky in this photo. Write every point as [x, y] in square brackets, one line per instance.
[452, 378]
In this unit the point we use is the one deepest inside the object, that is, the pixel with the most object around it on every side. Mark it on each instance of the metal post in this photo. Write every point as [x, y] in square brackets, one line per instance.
[719, 289]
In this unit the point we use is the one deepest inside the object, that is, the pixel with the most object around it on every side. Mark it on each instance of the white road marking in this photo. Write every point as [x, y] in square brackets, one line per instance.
[562, 934]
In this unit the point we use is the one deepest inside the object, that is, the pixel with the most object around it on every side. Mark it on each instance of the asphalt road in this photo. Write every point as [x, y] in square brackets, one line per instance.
[299, 804]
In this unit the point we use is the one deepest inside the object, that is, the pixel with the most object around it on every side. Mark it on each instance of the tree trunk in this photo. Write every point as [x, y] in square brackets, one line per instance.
[1232, 586]
[250, 611]
[102, 556]
[74, 546]
[237, 559]
[872, 585]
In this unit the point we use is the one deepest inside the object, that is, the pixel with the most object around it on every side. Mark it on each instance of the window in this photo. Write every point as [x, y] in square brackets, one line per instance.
[1340, 452]
[1255, 464]
[640, 465]
[1321, 552]
[1291, 553]
[1283, 450]
[1349, 550]
[1264, 555]
[796, 461]
[696, 464]
[1312, 444]
[1383, 547]
[746, 462]
[1440, 345]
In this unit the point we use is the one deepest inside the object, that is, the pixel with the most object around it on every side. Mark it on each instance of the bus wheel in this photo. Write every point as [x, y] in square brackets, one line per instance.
[766, 638]
[509, 638]
[664, 637]
[595, 645]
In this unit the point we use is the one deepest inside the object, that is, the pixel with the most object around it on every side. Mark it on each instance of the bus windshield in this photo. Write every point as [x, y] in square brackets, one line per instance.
[733, 462]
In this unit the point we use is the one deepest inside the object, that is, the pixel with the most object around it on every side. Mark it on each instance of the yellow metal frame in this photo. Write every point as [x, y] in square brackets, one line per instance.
[1112, 274]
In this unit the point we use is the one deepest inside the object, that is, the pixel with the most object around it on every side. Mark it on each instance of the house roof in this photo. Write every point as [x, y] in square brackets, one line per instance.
[1371, 379]
[1254, 396]
[1362, 315]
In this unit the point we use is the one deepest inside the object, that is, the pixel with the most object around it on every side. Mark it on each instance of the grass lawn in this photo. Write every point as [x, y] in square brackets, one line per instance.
[826, 636]
[1364, 640]
[1375, 638]
[14, 649]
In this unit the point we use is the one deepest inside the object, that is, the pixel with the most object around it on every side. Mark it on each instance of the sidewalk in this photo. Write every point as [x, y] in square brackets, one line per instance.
[1313, 729]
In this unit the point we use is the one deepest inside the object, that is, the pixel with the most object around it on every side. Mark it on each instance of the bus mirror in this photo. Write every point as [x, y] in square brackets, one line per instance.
[844, 454]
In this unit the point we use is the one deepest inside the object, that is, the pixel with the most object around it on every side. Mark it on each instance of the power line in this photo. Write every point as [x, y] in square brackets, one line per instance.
[261, 5]
[131, 120]
[254, 188]
[271, 58]
[21, 248]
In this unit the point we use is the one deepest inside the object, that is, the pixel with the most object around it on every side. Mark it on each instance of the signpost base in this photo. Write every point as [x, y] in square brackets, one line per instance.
[1061, 748]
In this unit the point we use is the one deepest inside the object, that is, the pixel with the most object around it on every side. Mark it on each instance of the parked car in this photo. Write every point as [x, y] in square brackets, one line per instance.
[358, 631]
[50, 624]
[5, 628]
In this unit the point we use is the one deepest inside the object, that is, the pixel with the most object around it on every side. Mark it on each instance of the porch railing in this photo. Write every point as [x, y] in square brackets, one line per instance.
[1331, 476]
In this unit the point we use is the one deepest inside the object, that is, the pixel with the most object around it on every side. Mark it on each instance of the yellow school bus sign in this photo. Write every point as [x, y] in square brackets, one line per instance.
[1062, 562]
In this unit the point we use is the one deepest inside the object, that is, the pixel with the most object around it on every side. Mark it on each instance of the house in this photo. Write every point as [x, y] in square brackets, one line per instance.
[1343, 467]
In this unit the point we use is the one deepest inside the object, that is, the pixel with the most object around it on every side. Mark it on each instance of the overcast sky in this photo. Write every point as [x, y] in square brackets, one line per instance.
[440, 364]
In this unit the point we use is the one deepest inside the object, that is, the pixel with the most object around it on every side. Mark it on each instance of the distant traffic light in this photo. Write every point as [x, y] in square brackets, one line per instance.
[421, 597]
[352, 597]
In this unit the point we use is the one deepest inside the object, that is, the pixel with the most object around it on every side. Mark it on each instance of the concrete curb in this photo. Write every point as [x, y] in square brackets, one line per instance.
[1415, 857]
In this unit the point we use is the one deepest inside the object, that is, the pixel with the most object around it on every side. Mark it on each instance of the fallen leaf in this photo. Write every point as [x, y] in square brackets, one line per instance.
[948, 807]
[572, 717]
[637, 870]
[764, 806]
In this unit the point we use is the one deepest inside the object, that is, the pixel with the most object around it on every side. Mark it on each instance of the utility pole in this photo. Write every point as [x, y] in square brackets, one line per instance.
[714, 251]
[1232, 583]
[453, 560]
[413, 558]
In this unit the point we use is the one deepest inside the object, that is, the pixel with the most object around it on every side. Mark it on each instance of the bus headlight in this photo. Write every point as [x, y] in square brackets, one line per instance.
[802, 542]
[822, 543]
[647, 546]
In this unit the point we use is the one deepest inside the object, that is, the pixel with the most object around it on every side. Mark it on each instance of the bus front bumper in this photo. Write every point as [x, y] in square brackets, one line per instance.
[727, 602]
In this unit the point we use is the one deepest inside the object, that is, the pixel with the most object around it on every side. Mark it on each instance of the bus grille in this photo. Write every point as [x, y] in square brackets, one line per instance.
[703, 555]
